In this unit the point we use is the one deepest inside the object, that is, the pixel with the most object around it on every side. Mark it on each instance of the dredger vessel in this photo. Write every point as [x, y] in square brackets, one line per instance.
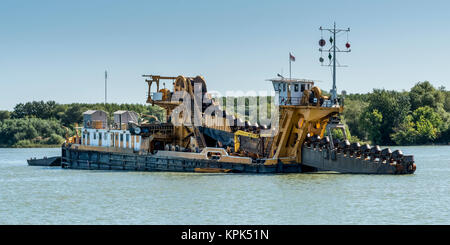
[198, 135]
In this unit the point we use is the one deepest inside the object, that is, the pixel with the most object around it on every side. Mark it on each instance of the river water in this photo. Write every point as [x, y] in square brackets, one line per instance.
[51, 195]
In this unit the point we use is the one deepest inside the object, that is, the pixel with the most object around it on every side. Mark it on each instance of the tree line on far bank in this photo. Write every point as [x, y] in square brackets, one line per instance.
[383, 117]
[386, 117]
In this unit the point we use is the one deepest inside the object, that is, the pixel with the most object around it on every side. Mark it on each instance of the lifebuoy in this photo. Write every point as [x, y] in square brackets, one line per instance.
[137, 130]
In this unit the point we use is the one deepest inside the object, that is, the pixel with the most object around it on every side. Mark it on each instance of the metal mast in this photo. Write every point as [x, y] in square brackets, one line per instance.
[106, 83]
[332, 58]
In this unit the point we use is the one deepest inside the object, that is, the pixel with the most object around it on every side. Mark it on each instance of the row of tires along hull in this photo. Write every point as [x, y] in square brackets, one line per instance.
[374, 153]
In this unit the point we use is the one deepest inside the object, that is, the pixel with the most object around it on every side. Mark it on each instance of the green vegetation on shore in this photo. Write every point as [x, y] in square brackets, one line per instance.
[415, 117]
[383, 117]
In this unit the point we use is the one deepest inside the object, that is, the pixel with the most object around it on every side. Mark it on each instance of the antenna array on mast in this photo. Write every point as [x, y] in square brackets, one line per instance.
[332, 54]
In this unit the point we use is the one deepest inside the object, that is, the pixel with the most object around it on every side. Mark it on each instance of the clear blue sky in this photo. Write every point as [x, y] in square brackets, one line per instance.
[58, 50]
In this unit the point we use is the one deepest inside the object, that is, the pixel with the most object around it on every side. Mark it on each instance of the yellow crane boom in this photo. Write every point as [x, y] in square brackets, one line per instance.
[238, 133]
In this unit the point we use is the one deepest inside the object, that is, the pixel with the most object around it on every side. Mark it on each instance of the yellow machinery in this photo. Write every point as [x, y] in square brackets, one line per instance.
[298, 119]
[180, 84]
[68, 139]
[72, 139]
[296, 123]
[238, 133]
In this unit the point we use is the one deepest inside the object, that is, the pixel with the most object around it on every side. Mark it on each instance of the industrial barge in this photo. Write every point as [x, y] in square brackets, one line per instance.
[199, 136]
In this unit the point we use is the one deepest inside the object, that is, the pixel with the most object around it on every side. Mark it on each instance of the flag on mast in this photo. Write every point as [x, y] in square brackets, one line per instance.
[291, 57]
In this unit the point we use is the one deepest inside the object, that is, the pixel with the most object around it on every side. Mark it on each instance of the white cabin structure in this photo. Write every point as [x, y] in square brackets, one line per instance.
[290, 91]
[103, 135]
[111, 138]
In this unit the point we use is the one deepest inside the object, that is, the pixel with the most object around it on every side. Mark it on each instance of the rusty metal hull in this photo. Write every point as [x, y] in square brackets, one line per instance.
[46, 161]
[313, 160]
[96, 160]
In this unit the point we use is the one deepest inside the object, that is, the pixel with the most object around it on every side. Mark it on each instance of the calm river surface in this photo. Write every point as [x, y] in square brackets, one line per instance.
[51, 195]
